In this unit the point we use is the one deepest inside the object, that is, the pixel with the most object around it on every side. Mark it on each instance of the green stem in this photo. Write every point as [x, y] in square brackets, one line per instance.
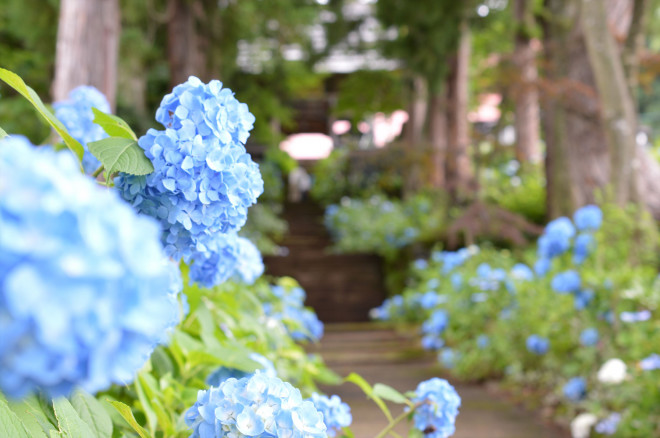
[98, 171]
[383, 433]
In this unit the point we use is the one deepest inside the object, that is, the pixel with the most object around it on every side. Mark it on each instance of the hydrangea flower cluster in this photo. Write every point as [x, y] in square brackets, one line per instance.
[575, 389]
[589, 337]
[76, 115]
[336, 414]
[650, 363]
[223, 373]
[537, 344]
[437, 407]
[609, 425]
[566, 282]
[256, 406]
[86, 291]
[203, 180]
[301, 322]
[250, 264]
[432, 329]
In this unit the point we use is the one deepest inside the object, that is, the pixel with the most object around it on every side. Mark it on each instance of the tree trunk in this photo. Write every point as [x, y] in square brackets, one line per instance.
[87, 47]
[459, 167]
[617, 110]
[185, 46]
[438, 137]
[526, 98]
[577, 159]
[415, 134]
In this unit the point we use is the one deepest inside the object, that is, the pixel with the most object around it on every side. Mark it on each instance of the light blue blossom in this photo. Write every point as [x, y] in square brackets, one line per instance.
[447, 357]
[456, 280]
[436, 324]
[575, 389]
[566, 282]
[583, 298]
[76, 115]
[556, 238]
[642, 315]
[584, 244]
[609, 425]
[258, 405]
[589, 337]
[301, 323]
[432, 342]
[203, 180]
[650, 363]
[542, 266]
[216, 261]
[483, 341]
[537, 345]
[522, 272]
[250, 265]
[589, 217]
[86, 291]
[336, 414]
[420, 264]
[437, 408]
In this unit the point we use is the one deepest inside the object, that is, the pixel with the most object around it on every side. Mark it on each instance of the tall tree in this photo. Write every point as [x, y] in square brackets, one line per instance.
[87, 47]
[186, 44]
[526, 97]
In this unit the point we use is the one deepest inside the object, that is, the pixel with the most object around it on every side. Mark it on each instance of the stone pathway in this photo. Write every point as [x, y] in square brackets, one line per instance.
[381, 355]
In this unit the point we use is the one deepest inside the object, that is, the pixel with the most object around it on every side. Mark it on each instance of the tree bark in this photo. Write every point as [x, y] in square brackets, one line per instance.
[617, 110]
[577, 158]
[186, 47]
[527, 121]
[438, 137]
[634, 43]
[87, 47]
[415, 133]
[459, 167]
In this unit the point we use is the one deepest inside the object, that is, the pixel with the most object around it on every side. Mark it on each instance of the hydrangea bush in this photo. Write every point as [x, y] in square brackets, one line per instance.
[90, 286]
[573, 324]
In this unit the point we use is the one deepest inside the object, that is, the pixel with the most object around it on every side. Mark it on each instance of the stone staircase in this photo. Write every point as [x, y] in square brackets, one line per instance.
[340, 287]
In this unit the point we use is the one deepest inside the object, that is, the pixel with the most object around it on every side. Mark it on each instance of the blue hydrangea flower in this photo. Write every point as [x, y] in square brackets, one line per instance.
[432, 342]
[566, 282]
[451, 259]
[483, 341]
[203, 180]
[642, 315]
[583, 298]
[433, 283]
[447, 357]
[584, 243]
[537, 345]
[542, 266]
[76, 115]
[456, 280]
[301, 323]
[420, 264]
[575, 389]
[437, 408]
[556, 238]
[436, 324]
[589, 337]
[255, 406]
[609, 425]
[312, 326]
[250, 265]
[216, 260]
[589, 217]
[522, 272]
[86, 291]
[487, 278]
[336, 414]
[650, 363]
[429, 300]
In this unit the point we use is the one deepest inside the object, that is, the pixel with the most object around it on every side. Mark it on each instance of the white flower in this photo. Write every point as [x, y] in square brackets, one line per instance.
[582, 424]
[613, 371]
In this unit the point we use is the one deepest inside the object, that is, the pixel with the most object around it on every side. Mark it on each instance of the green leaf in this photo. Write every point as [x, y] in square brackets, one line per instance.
[369, 391]
[32, 416]
[148, 410]
[388, 393]
[119, 154]
[68, 420]
[92, 412]
[113, 125]
[127, 414]
[15, 81]
[3, 133]
[10, 424]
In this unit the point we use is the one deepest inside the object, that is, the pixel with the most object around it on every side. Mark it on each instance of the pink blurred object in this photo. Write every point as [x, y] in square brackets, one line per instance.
[387, 128]
[488, 110]
[341, 127]
[307, 146]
